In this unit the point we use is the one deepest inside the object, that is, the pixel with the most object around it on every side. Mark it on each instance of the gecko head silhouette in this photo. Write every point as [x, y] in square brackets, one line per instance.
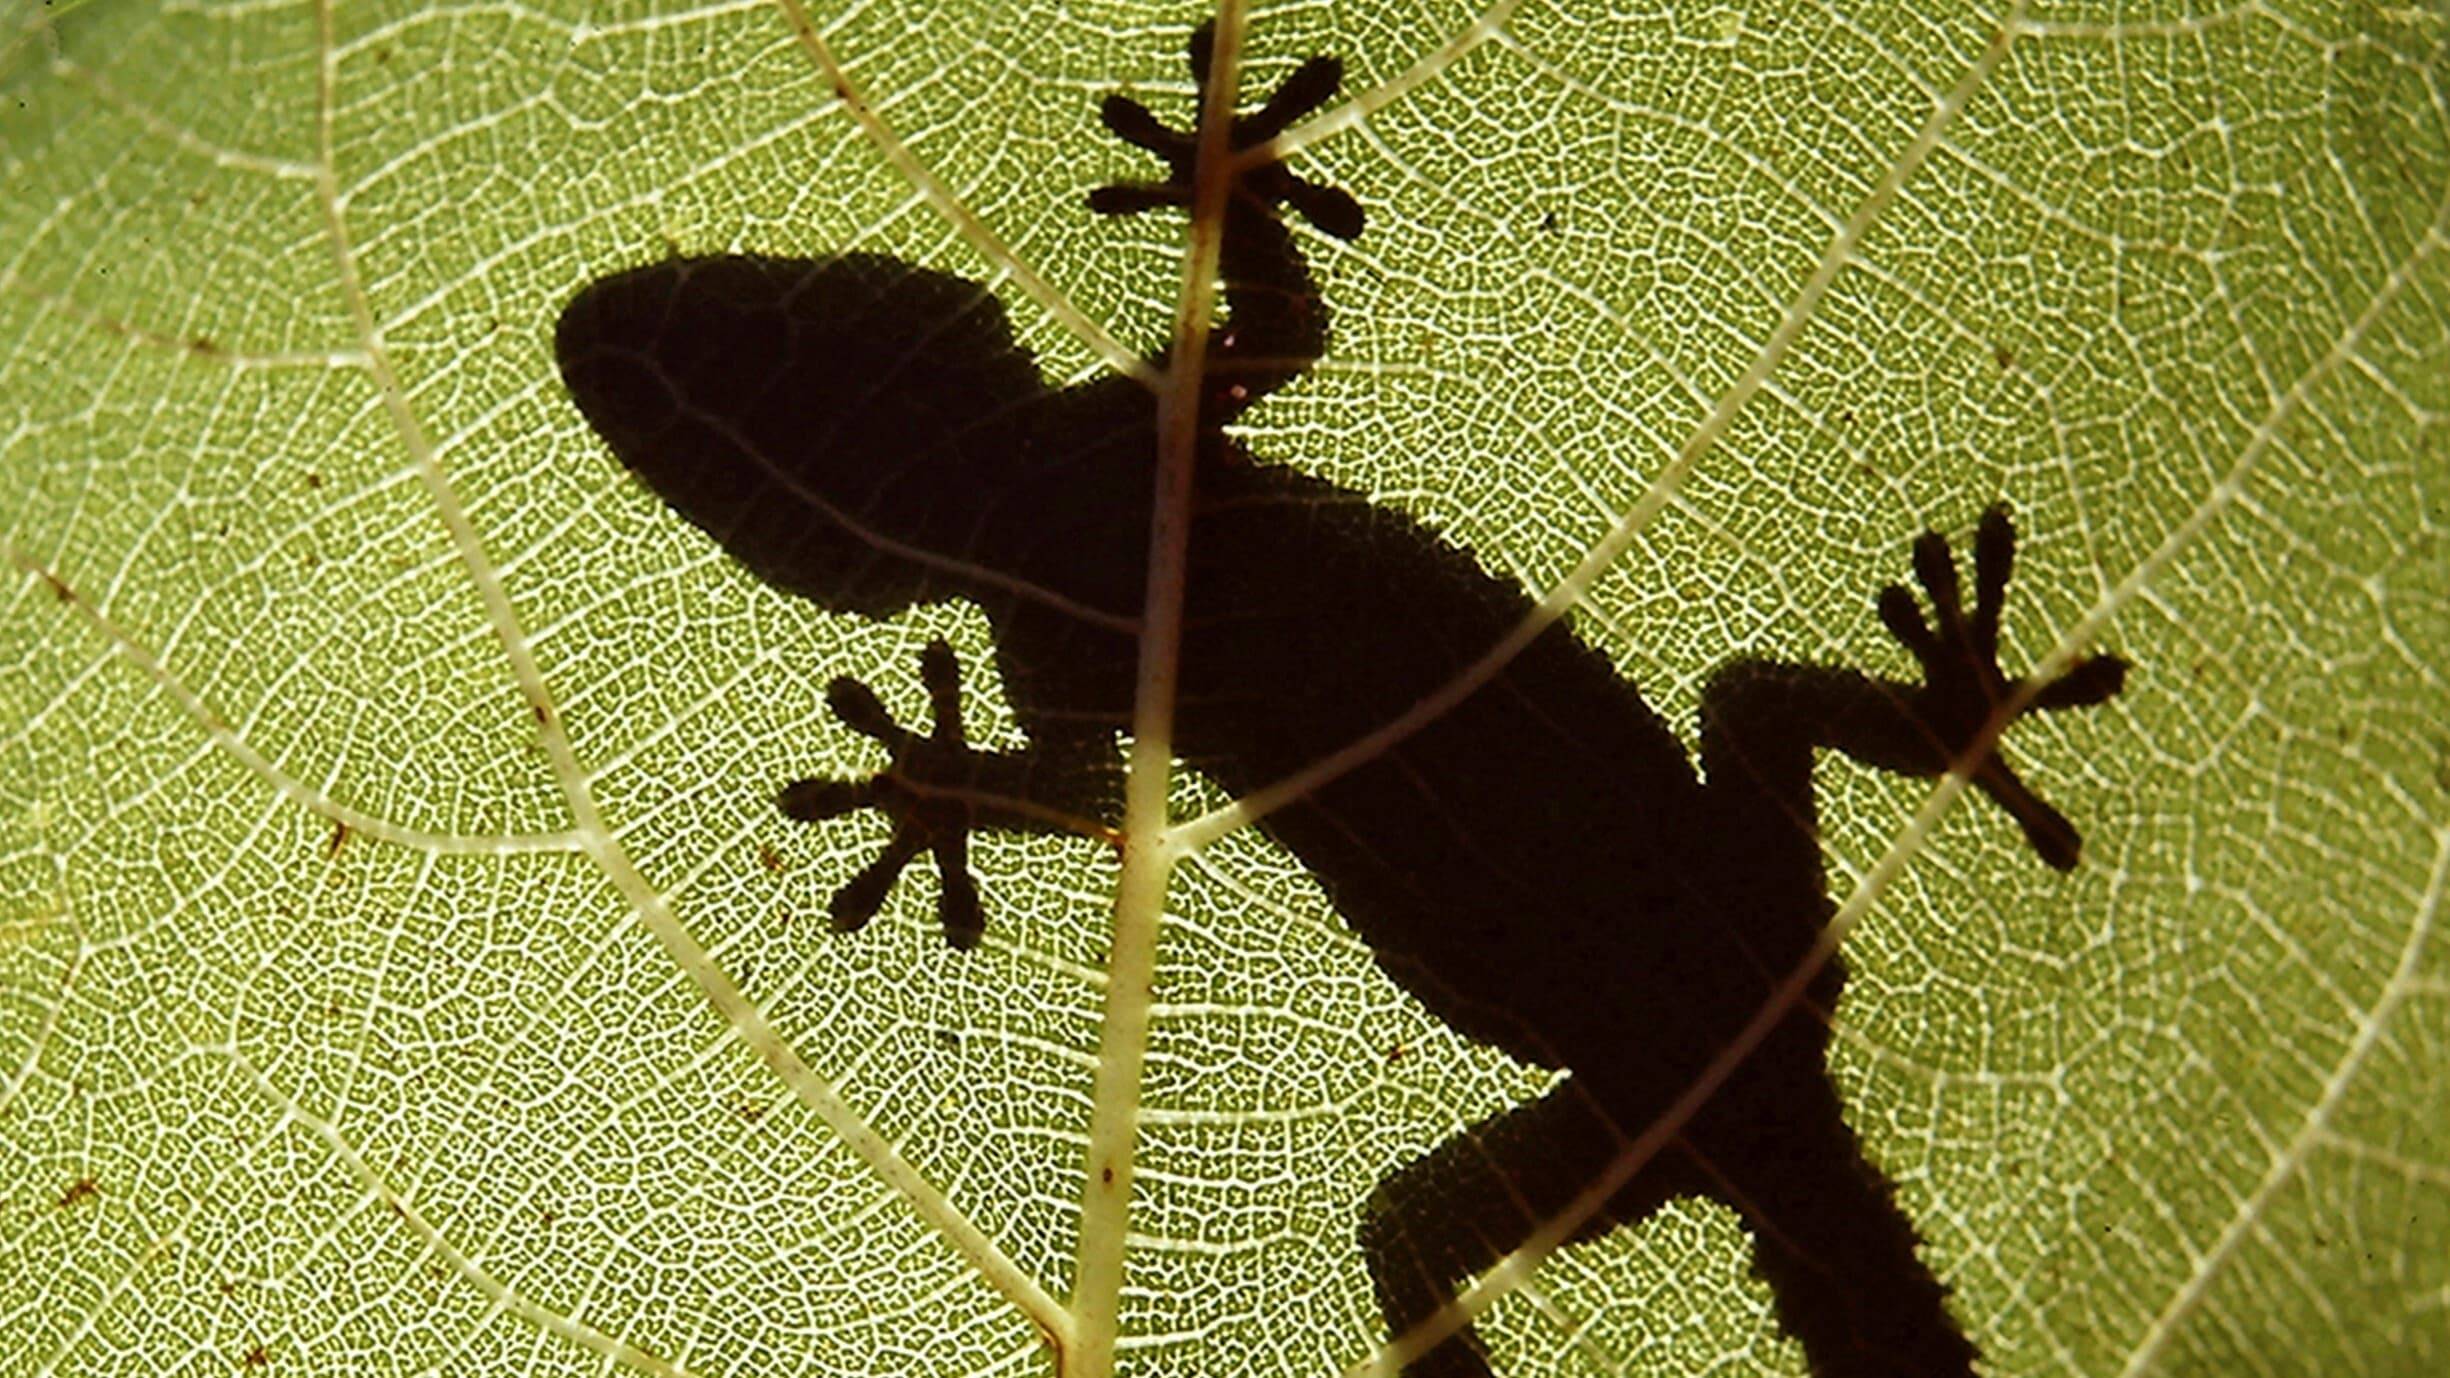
[832, 422]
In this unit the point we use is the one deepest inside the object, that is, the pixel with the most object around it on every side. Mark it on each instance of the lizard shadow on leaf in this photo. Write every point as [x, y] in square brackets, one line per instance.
[1541, 865]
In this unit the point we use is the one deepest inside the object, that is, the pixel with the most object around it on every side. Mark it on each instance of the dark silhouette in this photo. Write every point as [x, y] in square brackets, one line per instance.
[1540, 865]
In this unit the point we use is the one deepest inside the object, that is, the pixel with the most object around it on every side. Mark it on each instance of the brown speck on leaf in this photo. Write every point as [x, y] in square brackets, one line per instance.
[59, 589]
[547, 1217]
[1106, 1175]
[338, 840]
[227, 1287]
[749, 1111]
[257, 1357]
[2005, 356]
[842, 92]
[1397, 1053]
[79, 1192]
[769, 858]
[313, 479]
[204, 344]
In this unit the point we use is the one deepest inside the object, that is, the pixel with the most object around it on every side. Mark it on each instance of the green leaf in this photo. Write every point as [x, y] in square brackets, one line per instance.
[403, 968]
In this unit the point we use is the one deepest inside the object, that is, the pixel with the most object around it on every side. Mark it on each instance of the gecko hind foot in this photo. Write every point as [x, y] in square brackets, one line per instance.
[1963, 685]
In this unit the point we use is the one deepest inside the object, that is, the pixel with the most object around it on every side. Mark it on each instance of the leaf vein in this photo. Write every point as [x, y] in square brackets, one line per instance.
[745, 1018]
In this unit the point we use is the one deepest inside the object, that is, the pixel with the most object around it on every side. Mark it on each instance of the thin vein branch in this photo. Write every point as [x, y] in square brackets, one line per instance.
[1839, 252]
[13, 1086]
[1490, 23]
[195, 347]
[2232, 484]
[746, 1020]
[2311, 1134]
[1520, 1265]
[105, 1298]
[965, 221]
[493, 1289]
[288, 786]
[2190, 1295]
[67, 69]
[2187, 26]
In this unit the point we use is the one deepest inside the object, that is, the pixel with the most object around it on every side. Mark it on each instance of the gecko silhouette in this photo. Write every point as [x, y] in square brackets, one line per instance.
[1539, 865]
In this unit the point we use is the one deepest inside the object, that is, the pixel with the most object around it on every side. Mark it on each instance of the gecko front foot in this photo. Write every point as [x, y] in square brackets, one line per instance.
[918, 790]
[1963, 686]
[1268, 184]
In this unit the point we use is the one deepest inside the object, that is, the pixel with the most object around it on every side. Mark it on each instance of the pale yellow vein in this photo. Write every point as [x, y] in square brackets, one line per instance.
[187, 141]
[500, 1294]
[1835, 257]
[1490, 23]
[2311, 1133]
[217, 728]
[1148, 857]
[1520, 1265]
[157, 1247]
[945, 203]
[193, 346]
[745, 1018]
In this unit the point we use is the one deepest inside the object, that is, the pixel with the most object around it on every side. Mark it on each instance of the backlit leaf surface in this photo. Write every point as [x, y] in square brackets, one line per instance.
[402, 966]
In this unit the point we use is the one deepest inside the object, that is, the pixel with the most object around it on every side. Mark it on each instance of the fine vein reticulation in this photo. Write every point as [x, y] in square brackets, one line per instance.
[1151, 840]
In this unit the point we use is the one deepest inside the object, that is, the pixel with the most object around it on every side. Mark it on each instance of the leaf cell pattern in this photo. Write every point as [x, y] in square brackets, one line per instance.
[392, 977]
